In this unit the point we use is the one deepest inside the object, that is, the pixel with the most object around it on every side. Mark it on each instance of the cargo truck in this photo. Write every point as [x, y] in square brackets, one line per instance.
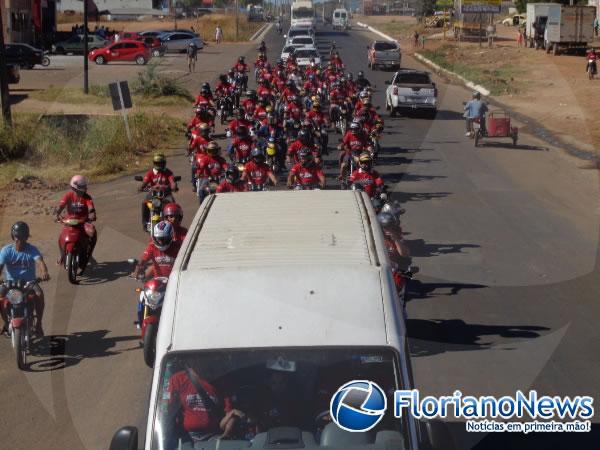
[559, 27]
[470, 24]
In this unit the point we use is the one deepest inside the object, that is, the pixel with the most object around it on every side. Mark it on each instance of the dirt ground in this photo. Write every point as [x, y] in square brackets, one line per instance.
[553, 90]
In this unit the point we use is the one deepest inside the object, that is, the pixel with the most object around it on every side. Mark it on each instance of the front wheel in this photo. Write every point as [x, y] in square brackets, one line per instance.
[140, 60]
[477, 138]
[156, 53]
[45, 61]
[100, 60]
[71, 266]
[18, 339]
[149, 344]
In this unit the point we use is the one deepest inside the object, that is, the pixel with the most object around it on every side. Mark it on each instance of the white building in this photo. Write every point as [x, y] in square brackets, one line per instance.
[103, 5]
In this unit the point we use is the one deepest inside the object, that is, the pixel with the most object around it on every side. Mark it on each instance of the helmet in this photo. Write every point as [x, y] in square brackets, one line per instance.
[350, 76]
[231, 73]
[476, 95]
[212, 148]
[293, 98]
[173, 209]
[290, 83]
[365, 160]
[223, 78]
[241, 131]
[159, 160]
[303, 136]
[248, 117]
[79, 183]
[305, 156]
[204, 128]
[360, 74]
[367, 101]
[205, 87]
[269, 109]
[251, 93]
[316, 104]
[258, 153]
[241, 59]
[354, 126]
[232, 174]
[154, 291]
[19, 230]
[271, 147]
[163, 235]
[386, 219]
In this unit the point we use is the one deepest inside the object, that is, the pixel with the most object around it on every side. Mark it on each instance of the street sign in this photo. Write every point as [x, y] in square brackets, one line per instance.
[121, 100]
[480, 6]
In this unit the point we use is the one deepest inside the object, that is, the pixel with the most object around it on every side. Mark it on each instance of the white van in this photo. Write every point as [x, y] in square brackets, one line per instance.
[341, 20]
[276, 300]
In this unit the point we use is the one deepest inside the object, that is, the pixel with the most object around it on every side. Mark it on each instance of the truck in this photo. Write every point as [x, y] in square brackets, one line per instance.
[303, 13]
[470, 24]
[255, 13]
[557, 27]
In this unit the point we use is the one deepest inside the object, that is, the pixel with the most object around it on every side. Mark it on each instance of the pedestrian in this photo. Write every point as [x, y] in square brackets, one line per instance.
[596, 25]
[416, 37]
[490, 35]
[218, 34]
[423, 41]
[117, 37]
[520, 39]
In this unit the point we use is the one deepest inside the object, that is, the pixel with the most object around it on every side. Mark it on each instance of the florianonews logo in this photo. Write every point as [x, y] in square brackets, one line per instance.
[358, 405]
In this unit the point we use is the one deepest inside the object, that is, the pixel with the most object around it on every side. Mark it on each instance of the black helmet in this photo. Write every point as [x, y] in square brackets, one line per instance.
[360, 74]
[303, 136]
[223, 78]
[258, 153]
[205, 87]
[20, 230]
[251, 93]
[241, 59]
[241, 131]
[386, 219]
[305, 156]
[232, 174]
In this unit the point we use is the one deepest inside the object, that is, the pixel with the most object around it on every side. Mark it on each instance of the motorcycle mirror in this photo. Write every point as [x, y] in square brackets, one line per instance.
[177, 178]
[138, 178]
[132, 261]
[413, 269]
[125, 438]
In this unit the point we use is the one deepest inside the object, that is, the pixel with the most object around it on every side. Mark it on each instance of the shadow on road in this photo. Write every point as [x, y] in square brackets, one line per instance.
[431, 337]
[419, 248]
[420, 290]
[62, 351]
[105, 271]
[405, 197]
[446, 114]
[508, 146]
[397, 177]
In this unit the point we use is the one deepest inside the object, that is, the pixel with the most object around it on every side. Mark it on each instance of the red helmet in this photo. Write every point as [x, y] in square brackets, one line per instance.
[173, 209]
[154, 291]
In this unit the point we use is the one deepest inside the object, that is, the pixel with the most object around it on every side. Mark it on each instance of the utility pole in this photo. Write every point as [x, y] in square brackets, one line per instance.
[4, 93]
[85, 47]
[237, 20]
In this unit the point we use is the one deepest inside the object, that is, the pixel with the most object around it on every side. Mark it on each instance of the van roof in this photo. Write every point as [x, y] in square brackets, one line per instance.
[288, 269]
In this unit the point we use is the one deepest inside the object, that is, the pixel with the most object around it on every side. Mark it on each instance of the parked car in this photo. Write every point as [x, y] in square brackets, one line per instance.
[128, 35]
[157, 48]
[517, 19]
[384, 54]
[75, 44]
[126, 50]
[178, 41]
[411, 90]
[302, 41]
[24, 55]
[305, 54]
[152, 33]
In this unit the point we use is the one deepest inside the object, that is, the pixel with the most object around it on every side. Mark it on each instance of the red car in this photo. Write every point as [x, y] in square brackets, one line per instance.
[125, 50]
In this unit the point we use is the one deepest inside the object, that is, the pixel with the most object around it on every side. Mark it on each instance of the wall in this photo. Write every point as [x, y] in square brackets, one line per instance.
[77, 5]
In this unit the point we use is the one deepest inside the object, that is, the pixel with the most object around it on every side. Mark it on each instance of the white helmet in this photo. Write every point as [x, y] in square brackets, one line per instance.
[163, 235]
[79, 183]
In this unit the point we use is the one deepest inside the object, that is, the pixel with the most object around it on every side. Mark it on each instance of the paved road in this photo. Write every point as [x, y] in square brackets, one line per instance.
[506, 240]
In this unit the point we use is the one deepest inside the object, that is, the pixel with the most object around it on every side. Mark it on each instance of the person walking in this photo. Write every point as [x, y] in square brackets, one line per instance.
[520, 38]
[192, 57]
[416, 38]
[218, 34]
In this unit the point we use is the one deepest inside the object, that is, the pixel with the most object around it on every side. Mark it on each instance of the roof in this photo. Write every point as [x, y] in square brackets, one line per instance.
[283, 228]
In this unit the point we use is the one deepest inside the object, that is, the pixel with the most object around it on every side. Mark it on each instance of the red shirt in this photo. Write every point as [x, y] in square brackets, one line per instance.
[198, 144]
[263, 91]
[77, 207]
[162, 262]
[316, 116]
[211, 166]
[196, 415]
[353, 142]
[242, 148]
[236, 123]
[204, 99]
[239, 67]
[307, 176]
[370, 181]
[295, 111]
[257, 173]
[179, 233]
[249, 105]
[159, 177]
[226, 186]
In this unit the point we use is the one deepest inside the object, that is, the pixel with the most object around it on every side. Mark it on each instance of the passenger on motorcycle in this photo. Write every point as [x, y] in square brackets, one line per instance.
[79, 205]
[361, 81]
[251, 101]
[203, 114]
[264, 89]
[369, 179]
[316, 116]
[205, 96]
[257, 172]
[199, 141]
[475, 109]
[19, 262]
[239, 121]
[294, 108]
[353, 143]
[224, 87]
[291, 90]
[173, 214]
[241, 147]
[241, 65]
[304, 140]
[159, 177]
[210, 169]
[232, 182]
[312, 85]
[306, 172]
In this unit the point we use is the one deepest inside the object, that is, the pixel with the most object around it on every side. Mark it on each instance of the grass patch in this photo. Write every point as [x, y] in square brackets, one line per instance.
[100, 149]
[152, 84]
[499, 80]
[98, 95]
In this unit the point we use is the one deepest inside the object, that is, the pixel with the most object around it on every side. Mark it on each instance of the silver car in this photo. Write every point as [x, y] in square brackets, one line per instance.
[178, 41]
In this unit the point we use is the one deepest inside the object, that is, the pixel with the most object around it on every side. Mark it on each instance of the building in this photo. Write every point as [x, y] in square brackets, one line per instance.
[104, 5]
[29, 21]
[595, 3]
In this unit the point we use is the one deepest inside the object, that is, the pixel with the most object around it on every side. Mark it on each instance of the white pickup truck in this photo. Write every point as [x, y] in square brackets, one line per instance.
[411, 90]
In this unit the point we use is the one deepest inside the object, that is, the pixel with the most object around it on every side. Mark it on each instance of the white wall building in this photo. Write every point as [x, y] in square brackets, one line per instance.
[103, 5]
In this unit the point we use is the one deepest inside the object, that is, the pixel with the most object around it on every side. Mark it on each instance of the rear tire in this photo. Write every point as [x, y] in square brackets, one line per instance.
[100, 60]
[477, 138]
[149, 344]
[156, 53]
[140, 60]
[71, 266]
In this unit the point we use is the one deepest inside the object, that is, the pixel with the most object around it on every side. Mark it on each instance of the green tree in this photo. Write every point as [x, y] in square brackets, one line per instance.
[426, 7]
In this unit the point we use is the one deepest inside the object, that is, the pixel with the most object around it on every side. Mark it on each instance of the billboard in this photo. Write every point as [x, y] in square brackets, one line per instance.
[480, 6]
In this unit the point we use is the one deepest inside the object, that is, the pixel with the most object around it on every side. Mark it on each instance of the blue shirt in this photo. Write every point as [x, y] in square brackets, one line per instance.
[475, 108]
[19, 265]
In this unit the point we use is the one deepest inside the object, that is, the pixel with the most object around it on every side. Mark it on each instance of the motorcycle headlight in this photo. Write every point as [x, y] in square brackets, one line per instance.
[153, 298]
[15, 297]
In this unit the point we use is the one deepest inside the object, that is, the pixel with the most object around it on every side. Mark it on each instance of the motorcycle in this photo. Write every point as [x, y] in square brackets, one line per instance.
[224, 108]
[155, 203]
[272, 156]
[74, 244]
[591, 68]
[323, 136]
[205, 187]
[20, 296]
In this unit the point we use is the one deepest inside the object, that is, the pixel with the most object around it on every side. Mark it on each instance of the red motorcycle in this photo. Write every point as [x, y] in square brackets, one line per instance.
[74, 244]
[149, 309]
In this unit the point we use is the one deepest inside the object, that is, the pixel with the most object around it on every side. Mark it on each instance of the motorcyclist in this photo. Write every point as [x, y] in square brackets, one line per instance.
[211, 167]
[591, 58]
[264, 89]
[293, 107]
[173, 213]
[251, 101]
[361, 81]
[475, 109]
[157, 177]
[240, 65]
[224, 87]
[79, 205]
[203, 114]
[263, 48]
[205, 96]
[232, 182]
[336, 61]
[306, 172]
[21, 261]
[365, 176]
[241, 147]
[303, 141]
[316, 116]
[354, 142]
[199, 141]
[256, 171]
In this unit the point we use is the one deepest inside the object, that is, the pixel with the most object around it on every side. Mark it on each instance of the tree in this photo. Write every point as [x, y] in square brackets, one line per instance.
[426, 8]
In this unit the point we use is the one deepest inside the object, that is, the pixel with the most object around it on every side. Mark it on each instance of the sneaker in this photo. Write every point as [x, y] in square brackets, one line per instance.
[468, 134]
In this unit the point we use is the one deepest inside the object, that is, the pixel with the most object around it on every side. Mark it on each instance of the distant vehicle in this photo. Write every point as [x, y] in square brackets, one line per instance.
[305, 54]
[411, 90]
[516, 20]
[153, 33]
[302, 41]
[287, 51]
[75, 44]
[126, 50]
[298, 31]
[303, 12]
[157, 48]
[255, 13]
[127, 35]
[178, 41]
[340, 20]
[384, 54]
[24, 55]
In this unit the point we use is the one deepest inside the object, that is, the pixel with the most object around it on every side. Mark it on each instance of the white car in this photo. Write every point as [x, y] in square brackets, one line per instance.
[304, 55]
[287, 50]
[411, 90]
[302, 41]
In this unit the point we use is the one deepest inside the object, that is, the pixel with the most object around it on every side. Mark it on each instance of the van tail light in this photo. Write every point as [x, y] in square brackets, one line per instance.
[395, 91]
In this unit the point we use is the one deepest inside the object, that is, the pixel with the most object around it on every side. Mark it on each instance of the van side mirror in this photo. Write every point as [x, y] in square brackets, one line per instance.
[125, 438]
[138, 178]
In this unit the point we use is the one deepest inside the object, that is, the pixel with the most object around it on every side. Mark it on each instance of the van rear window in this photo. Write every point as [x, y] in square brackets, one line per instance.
[385, 46]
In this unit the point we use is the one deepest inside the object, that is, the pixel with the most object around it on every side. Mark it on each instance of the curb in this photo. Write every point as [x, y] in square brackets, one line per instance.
[469, 84]
[261, 31]
[376, 31]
